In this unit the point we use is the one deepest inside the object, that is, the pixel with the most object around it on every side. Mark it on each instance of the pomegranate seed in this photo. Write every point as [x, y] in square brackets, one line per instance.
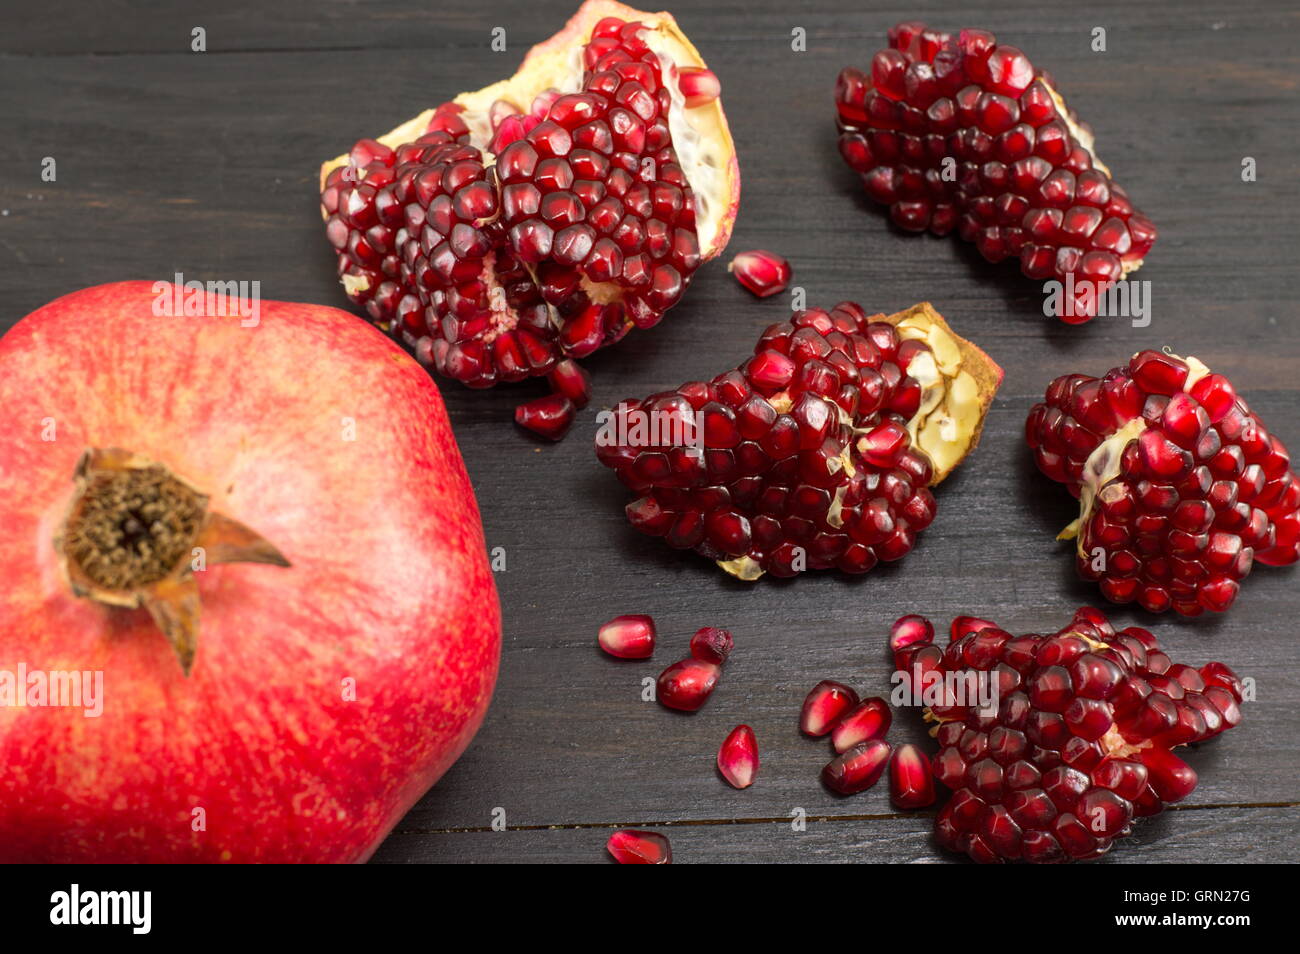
[763, 273]
[738, 757]
[687, 684]
[908, 631]
[632, 847]
[824, 706]
[569, 379]
[628, 637]
[712, 645]
[857, 769]
[550, 416]
[868, 720]
[1195, 489]
[698, 86]
[911, 783]
[1079, 744]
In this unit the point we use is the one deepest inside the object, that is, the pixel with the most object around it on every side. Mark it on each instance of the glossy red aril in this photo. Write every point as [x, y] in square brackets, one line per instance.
[711, 644]
[961, 133]
[911, 783]
[628, 637]
[518, 227]
[569, 379]
[763, 273]
[550, 416]
[687, 684]
[632, 847]
[857, 769]
[819, 452]
[1181, 487]
[824, 706]
[738, 757]
[908, 630]
[1053, 744]
[867, 720]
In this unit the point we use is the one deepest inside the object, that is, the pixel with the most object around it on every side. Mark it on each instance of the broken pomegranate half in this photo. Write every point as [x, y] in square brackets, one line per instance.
[961, 132]
[1053, 744]
[816, 453]
[546, 215]
[1181, 487]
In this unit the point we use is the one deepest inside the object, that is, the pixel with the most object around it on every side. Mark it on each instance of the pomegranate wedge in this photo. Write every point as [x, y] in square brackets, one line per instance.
[818, 452]
[543, 217]
[1053, 744]
[961, 132]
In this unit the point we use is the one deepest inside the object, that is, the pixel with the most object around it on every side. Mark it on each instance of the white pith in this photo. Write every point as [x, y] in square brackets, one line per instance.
[1102, 465]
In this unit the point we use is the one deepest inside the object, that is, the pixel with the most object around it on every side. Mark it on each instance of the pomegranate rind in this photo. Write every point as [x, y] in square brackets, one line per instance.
[985, 374]
[556, 63]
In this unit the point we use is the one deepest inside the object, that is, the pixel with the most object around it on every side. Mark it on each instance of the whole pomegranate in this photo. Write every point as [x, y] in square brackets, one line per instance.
[247, 613]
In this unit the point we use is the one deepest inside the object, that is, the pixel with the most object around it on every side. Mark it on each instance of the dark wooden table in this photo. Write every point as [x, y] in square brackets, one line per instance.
[206, 163]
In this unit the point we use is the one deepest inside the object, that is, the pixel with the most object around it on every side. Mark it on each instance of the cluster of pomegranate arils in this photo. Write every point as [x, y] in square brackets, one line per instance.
[800, 458]
[1181, 486]
[964, 133]
[857, 729]
[573, 225]
[1073, 739]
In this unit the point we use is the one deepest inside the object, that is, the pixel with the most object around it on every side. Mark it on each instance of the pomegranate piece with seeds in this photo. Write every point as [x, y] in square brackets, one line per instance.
[817, 453]
[1181, 487]
[1053, 744]
[632, 847]
[738, 757]
[628, 637]
[959, 132]
[535, 221]
[763, 273]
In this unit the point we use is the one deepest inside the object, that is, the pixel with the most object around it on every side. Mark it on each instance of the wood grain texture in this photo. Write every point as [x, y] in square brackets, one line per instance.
[206, 163]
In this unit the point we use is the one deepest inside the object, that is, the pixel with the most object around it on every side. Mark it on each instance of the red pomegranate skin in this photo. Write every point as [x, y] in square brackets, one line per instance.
[389, 586]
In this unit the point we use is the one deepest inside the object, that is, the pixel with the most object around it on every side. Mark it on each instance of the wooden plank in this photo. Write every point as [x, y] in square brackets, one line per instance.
[1214, 836]
[171, 161]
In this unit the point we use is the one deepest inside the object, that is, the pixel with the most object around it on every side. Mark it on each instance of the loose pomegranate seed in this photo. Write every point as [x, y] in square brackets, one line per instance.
[1027, 184]
[550, 416]
[1080, 741]
[868, 720]
[738, 757]
[911, 783]
[569, 379]
[632, 847]
[824, 706]
[763, 273]
[628, 637]
[1178, 498]
[698, 86]
[813, 454]
[908, 630]
[711, 644]
[857, 769]
[687, 684]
